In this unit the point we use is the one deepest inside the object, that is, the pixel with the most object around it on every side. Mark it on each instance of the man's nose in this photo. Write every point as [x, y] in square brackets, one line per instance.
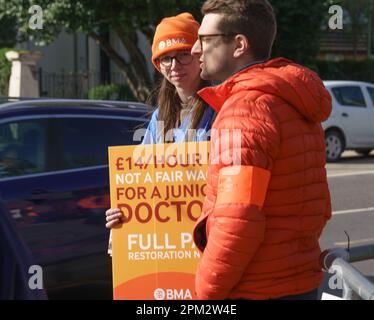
[196, 48]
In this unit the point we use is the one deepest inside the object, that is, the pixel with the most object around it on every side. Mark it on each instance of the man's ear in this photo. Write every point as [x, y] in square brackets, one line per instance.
[241, 45]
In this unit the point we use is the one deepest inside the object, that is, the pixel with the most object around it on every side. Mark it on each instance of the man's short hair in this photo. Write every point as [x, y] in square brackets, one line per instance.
[253, 18]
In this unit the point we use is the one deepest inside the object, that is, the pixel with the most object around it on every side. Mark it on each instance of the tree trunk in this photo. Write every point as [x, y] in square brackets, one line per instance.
[129, 41]
[136, 83]
[354, 43]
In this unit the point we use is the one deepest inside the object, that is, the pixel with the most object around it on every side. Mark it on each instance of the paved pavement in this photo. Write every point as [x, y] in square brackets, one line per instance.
[351, 183]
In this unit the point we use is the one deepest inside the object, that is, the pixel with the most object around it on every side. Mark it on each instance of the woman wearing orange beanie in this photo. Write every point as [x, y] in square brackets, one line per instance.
[179, 107]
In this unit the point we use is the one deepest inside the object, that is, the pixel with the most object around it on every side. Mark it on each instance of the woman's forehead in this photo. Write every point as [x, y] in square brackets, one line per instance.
[174, 53]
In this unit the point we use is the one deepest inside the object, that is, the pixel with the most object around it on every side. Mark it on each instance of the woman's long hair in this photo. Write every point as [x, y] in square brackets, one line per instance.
[169, 104]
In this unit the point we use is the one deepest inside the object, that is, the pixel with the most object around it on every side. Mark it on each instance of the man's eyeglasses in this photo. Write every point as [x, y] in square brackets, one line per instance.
[184, 58]
[203, 36]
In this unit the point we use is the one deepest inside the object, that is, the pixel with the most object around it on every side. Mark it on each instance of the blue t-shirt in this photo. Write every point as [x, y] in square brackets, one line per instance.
[180, 134]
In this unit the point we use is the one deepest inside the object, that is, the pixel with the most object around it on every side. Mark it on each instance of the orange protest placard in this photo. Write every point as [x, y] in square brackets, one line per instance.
[160, 189]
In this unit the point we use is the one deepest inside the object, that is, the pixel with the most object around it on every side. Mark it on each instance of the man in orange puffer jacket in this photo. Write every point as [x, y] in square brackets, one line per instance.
[262, 217]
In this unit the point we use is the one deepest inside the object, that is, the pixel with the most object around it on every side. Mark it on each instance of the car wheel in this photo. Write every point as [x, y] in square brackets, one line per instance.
[334, 145]
[364, 152]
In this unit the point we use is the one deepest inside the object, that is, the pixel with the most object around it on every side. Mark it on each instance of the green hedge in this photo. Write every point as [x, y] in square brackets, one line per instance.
[5, 69]
[346, 70]
[111, 92]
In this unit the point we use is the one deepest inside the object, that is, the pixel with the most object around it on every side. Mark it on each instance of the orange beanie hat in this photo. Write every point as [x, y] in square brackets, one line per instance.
[174, 33]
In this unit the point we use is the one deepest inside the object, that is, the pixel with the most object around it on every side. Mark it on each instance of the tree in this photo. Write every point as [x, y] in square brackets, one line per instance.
[8, 33]
[8, 30]
[299, 28]
[299, 23]
[359, 12]
[95, 17]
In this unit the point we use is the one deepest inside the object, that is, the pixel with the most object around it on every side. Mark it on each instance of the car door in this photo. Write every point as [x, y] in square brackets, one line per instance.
[370, 93]
[60, 207]
[353, 114]
[25, 186]
[82, 188]
[83, 179]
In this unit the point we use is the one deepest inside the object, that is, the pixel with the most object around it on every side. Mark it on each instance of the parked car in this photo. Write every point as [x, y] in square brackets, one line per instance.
[351, 124]
[15, 263]
[54, 182]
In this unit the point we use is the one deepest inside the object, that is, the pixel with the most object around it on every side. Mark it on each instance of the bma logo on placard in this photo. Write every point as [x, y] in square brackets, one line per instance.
[172, 294]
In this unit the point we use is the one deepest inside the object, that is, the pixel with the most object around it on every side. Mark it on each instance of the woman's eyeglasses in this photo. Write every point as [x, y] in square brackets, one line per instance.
[183, 58]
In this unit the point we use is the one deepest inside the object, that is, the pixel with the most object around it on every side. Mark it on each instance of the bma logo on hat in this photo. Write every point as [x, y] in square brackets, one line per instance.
[161, 45]
[171, 43]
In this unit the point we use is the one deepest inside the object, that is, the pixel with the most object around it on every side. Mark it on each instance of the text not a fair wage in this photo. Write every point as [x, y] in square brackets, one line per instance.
[160, 176]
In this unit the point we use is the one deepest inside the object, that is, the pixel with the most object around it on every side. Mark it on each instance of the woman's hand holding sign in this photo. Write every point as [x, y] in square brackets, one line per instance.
[113, 217]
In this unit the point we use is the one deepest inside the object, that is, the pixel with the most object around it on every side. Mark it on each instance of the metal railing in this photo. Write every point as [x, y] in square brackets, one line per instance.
[355, 285]
[74, 85]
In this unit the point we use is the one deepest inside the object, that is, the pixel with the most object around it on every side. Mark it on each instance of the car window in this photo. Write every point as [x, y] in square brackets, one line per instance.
[22, 147]
[85, 141]
[371, 94]
[349, 96]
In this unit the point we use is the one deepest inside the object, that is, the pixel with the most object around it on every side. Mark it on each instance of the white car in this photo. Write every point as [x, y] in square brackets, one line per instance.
[351, 123]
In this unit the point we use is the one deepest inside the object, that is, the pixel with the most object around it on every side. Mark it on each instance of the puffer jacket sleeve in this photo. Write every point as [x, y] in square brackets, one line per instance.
[237, 223]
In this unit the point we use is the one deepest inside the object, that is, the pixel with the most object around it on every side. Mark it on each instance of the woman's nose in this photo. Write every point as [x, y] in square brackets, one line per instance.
[174, 64]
